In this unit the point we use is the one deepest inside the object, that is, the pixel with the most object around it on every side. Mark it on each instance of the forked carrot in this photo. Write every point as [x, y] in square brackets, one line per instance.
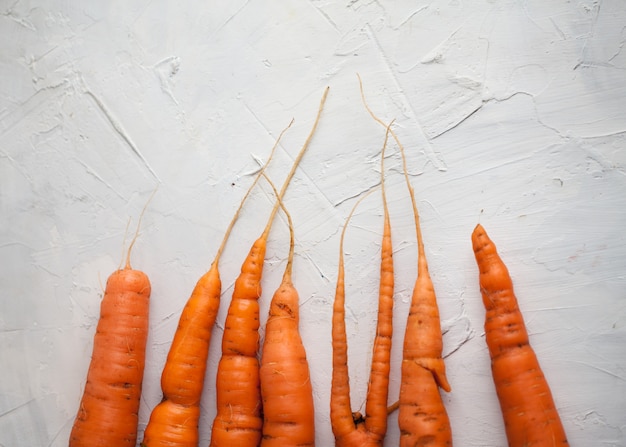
[286, 390]
[530, 415]
[239, 421]
[108, 410]
[174, 421]
[422, 416]
[353, 429]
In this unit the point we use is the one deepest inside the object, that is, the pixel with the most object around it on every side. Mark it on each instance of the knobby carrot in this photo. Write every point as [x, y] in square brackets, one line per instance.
[353, 429]
[174, 421]
[286, 390]
[108, 410]
[530, 416]
[422, 417]
[238, 421]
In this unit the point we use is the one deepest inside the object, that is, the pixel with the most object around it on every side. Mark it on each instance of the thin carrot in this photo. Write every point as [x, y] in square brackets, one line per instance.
[238, 421]
[108, 410]
[422, 417]
[528, 410]
[353, 429]
[286, 390]
[174, 421]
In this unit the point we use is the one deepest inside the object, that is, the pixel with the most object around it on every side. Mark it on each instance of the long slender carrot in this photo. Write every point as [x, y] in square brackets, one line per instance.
[286, 390]
[528, 410]
[422, 417]
[353, 429]
[174, 421]
[108, 411]
[238, 421]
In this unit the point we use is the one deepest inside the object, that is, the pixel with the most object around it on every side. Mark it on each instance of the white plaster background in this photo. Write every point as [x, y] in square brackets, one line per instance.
[513, 116]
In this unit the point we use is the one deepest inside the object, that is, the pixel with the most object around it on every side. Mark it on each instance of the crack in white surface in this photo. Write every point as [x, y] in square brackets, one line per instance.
[117, 127]
[437, 161]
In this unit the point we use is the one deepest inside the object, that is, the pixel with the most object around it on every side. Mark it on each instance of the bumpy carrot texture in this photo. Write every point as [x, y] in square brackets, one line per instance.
[239, 420]
[174, 421]
[289, 418]
[530, 416]
[108, 412]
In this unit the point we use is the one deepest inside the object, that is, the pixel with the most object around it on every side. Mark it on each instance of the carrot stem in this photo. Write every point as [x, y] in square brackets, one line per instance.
[422, 414]
[295, 164]
[256, 179]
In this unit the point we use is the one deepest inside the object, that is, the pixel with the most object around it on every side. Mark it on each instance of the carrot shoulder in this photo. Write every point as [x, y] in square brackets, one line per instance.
[286, 390]
[528, 409]
[109, 407]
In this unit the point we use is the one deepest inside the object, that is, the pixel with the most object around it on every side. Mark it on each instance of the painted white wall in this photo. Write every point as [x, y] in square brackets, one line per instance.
[513, 116]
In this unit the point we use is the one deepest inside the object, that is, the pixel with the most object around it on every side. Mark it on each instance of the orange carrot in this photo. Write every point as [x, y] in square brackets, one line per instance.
[422, 417]
[108, 411]
[530, 416]
[353, 429]
[238, 421]
[286, 391]
[174, 421]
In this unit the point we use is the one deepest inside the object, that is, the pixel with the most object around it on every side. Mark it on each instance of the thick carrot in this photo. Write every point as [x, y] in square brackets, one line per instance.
[353, 429]
[238, 421]
[422, 417]
[108, 410]
[530, 416]
[286, 390]
[174, 421]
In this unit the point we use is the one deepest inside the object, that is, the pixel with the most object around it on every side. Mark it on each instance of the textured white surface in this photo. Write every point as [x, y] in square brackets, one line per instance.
[513, 116]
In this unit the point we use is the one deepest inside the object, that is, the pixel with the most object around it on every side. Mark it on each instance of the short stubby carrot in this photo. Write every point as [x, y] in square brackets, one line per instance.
[238, 420]
[174, 421]
[108, 411]
[286, 390]
[352, 429]
[528, 410]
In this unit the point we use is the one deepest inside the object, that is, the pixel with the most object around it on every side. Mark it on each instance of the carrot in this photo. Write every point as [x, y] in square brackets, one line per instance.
[422, 417]
[528, 410]
[108, 410]
[238, 420]
[353, 429]
[174, 421]
[286, 391]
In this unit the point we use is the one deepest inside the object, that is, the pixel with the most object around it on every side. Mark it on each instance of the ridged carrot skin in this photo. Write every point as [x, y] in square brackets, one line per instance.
[239, 420]
[174, 421]
[289, 416]
[528, 410]
[108, 411]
